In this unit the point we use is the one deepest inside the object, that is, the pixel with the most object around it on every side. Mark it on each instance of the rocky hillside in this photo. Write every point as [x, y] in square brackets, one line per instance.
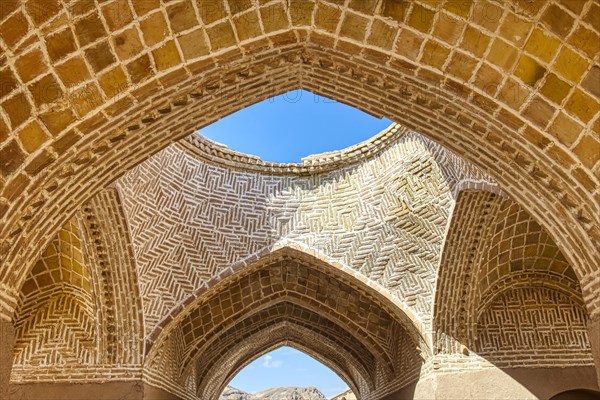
[282, 393]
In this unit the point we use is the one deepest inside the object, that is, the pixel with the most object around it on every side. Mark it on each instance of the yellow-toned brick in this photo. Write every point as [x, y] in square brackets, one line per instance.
[409, 44]
[143, 7]
[247, 25]
[539, 112]
[515, 29]
[182, 16]
[488, 79]
[193, 44]
[555, 88]
[327, 17]
[591, 82]
[166, 56]
[154, 29]
[113, 82]
[541, 45]
[586, 40]
[100, 56]
[56, 120]
[514, 94]
[448, 29]
[421, 18]
[529, 70]
[139, 69]
[487, 14]
[73, 71]
[32, 137]
[502, 54]
[558, 20]
[382, 35]
[274, 18]
[354, 27]
[435, 54]
[127, 44]
[117, 14]
[221, 36]
[301, 12]
[460, 8]
[461, 65]
[582, 105]
[85, 99]
[238, 6]
[211, 11]
[570, 64]
[474, 41]
[565, 129]
[588, 150]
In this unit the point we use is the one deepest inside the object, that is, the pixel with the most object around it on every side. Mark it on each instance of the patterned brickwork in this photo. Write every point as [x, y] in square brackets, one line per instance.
[315, 343]
[89, 90]
[224, 327]
[56, 322]
[540, 324]
[512, 86]
[112, 257]
[505, 291]
[85, 322]
[385, 217]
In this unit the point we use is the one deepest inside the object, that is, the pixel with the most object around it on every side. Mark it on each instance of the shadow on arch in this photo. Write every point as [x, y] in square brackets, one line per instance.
[286, 296]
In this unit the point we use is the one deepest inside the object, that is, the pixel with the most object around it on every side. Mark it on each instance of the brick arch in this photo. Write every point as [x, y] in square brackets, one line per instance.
[290, 288]
[60, 287]
[297, 251]
[513, 88]
[212, 381]
[78, 313]
[496, 261]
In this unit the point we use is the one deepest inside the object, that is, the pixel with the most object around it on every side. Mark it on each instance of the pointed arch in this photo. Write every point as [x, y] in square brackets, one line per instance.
[293, 288]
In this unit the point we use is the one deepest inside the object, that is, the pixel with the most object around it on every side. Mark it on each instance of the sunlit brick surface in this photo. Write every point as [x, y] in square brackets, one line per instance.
[483, 269]
[89, 90]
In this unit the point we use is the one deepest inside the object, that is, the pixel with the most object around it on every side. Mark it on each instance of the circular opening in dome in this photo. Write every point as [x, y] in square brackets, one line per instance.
[294, 125]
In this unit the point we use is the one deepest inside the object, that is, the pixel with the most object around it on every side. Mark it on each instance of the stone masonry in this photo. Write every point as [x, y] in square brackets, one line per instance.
[140, 260]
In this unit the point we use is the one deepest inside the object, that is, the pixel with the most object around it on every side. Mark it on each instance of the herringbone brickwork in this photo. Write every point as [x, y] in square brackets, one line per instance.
[373, 344]
[91, 89]
[506, 289]
[384, 216]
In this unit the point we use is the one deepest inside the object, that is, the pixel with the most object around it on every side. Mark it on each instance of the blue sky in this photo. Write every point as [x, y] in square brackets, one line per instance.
[288, 127]
[287, 366]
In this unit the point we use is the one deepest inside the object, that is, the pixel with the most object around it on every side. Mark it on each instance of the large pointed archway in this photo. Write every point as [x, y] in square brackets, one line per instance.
[287, 296]
[137, 76]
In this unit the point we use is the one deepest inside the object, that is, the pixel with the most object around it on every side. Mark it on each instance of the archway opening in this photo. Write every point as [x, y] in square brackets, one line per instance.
[291, 126]
[284, 373]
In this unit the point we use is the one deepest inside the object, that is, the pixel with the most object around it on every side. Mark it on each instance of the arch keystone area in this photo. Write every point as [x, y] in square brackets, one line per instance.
[506, 96]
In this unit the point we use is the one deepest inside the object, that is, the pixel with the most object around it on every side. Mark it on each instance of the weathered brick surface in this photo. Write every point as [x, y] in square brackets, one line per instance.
[383, 216]
[413, 46]
[79, 315]
[89, 90]
[505, 291]
[286, 296]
